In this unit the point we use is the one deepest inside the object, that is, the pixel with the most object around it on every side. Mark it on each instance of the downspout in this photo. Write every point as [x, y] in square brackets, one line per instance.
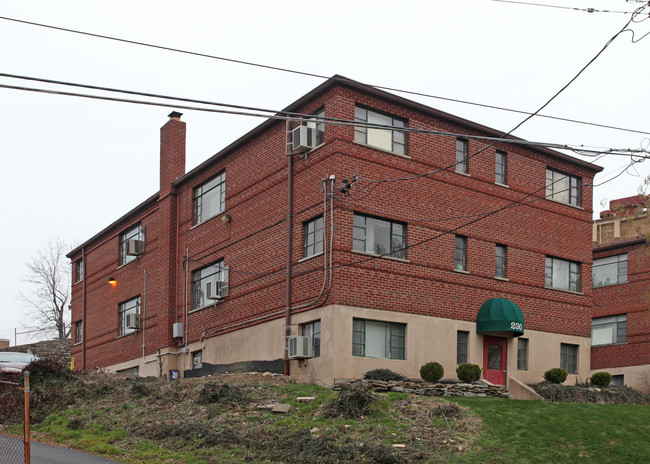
[187, 270]
[83, 311]
[287, 322]
[144, 313]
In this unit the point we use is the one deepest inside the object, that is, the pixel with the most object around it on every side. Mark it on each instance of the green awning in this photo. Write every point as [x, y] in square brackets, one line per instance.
[498, 315]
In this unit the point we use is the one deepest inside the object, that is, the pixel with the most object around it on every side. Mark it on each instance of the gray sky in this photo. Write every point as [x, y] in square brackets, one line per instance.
[71, 166]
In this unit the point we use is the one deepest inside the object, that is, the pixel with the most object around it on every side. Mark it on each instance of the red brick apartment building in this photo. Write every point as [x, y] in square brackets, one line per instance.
[388, 236]
[620, 328]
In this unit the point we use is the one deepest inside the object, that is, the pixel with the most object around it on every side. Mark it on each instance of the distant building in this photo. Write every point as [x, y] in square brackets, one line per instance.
[620, 326]
[380, 233]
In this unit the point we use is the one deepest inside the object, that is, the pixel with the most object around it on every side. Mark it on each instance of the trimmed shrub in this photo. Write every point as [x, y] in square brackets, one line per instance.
[555, 375]
[383, 374]
[432, 371]
[601, 379]
[468, 372]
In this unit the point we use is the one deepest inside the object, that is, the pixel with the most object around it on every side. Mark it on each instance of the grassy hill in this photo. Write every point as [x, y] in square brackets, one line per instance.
[226, 419]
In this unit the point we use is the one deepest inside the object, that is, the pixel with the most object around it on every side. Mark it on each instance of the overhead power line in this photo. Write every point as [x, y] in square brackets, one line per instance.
[294, 116]
[315, 75]
[546, 5]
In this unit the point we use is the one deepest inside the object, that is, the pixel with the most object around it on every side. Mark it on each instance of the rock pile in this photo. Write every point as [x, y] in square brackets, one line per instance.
[480, 389]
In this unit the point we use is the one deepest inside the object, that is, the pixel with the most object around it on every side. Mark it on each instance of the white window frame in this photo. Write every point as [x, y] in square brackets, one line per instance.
[610, 270]
[380, 137]
[563, 188]
[460, 253]
[367, 229]
[501, 167]
[609, 330]
[522, 354]
[562, 274]
[134, 233]
[313, 330]
[462, 155]
[569, 357]
[210, 198]
[215, 272]
[131, 306]
[312, 244]
[377, 339]
[500, 261]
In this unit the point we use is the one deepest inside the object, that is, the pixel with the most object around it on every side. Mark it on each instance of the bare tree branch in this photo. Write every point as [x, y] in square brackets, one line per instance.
[46, 304]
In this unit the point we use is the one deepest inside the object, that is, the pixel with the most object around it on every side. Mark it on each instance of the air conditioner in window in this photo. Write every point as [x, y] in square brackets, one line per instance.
[132, 321]
[134, 247]
[302, 139]
[300, 347]
[214, 290]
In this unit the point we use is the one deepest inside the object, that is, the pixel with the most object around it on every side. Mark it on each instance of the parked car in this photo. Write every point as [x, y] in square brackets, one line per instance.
[13, 362]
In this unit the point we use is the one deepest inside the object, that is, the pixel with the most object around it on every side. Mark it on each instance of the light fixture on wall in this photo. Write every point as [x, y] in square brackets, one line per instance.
[225, 218]
[112, 282]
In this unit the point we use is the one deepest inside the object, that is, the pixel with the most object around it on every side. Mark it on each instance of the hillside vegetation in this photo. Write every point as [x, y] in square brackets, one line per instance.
[229, 418]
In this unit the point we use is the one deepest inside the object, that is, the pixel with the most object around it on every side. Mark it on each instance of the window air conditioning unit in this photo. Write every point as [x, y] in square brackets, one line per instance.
[300, 347]
[132, 321]
[302, 139]
[134, 247]
[214, 290]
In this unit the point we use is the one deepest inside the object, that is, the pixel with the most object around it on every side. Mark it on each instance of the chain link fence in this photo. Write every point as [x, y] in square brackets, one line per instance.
[13, 410]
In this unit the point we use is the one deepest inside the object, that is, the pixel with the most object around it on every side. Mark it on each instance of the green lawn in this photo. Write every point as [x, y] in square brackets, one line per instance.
[545, 432]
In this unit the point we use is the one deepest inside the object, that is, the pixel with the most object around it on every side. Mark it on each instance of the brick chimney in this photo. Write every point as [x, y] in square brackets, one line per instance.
[172, 152]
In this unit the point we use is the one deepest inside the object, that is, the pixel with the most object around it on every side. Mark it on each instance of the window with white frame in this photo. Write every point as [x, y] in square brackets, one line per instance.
[609, 330]
[312, 329]
[210, 198]
[500, 167]
[129, 251]
[129, 316]
[562, 274]
[501, 252]
[609, 271]
[522, 354]
[79, 270]
[462, 147]
[562, 187]
[78, 331]
[312, 237]
[379, 236]
[374, 339]
[318, 126]
[208, 284]
[460, 253]
[462, 337]
[569, 358]
[384, 138]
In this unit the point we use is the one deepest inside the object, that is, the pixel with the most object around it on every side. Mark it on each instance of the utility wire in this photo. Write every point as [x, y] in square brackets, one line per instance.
[309, 74]
[292, 116]
[585, 10]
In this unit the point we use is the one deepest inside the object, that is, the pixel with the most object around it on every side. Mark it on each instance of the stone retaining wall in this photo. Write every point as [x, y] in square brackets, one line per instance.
[479, 389]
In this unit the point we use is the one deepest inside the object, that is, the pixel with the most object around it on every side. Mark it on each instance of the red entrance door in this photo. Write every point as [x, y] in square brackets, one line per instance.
[494, 360]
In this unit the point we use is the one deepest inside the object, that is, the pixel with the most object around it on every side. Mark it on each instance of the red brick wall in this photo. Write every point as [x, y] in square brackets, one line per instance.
[629, 298]
[253, 242]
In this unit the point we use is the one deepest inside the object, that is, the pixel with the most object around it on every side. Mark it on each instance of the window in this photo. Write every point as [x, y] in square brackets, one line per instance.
[500, 167]
[78, 331]
[374, 339]
[215, 276]
[197, 359]
[609, 330]
[609, 271]
[129, 315]
[379, 236]
[563, 187]
[569, 358]
[461, 155]
[210, 198]
[130, 371]
[312, 330]
[386, 139]
[318, 126]
[126, 254]
[522, 354]
[461, 346]
[500, 261]
[460, 253]
[562, 274]
[618, 380]
[78, 270]
[312, 237]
